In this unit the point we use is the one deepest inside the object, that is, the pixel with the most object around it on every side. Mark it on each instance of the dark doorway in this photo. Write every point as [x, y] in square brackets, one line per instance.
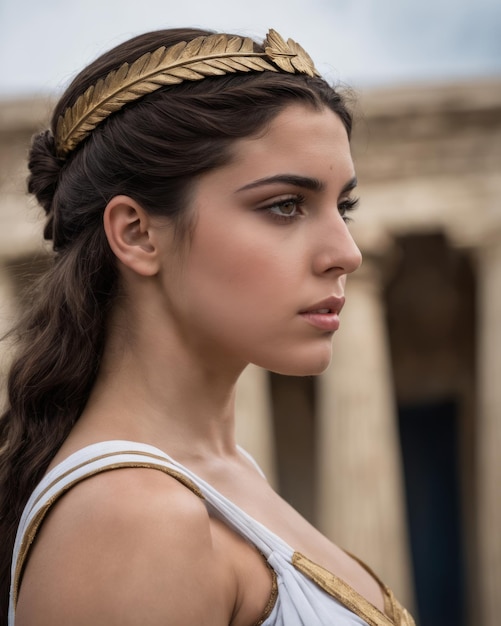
[430, 298]
[429, 437]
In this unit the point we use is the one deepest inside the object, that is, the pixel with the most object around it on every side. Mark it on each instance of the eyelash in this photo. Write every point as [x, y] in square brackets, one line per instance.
[350, 204]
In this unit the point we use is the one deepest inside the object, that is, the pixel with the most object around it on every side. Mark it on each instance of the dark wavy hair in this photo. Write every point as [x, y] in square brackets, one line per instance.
[152, 150]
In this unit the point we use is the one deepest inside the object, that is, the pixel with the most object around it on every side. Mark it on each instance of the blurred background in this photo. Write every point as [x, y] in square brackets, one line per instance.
[394, 452]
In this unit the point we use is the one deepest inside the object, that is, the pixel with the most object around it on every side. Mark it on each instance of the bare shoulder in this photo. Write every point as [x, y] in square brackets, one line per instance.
[128, 546]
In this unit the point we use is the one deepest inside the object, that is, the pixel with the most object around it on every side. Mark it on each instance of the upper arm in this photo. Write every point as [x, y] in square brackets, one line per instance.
[126, 547]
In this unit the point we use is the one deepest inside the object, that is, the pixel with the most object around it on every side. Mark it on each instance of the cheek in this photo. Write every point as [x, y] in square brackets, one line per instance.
[243, 282]
[239, 261]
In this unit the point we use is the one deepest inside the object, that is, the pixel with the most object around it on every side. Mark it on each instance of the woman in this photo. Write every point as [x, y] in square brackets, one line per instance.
[197, 189]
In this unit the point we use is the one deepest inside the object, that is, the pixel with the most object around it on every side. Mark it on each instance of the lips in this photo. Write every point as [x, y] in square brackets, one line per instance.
[333, 304]
[324, 315]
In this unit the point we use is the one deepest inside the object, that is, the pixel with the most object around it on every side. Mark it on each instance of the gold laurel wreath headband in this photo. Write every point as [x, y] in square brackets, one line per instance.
[211, 55]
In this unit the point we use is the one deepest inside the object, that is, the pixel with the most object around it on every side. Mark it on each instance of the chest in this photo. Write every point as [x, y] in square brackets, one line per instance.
[256, 498]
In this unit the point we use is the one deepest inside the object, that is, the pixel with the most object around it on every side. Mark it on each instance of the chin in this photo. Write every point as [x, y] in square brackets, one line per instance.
[303, 370]
[302, 365]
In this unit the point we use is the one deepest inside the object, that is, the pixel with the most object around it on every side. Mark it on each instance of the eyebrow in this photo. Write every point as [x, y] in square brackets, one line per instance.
[289, 179]
[350, 185]
[306, 182]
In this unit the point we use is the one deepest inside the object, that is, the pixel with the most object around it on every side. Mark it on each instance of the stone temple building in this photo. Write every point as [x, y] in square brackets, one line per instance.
[395, 451]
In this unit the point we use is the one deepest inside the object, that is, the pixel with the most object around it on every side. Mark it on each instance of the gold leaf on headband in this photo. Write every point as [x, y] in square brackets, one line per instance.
[288, 55]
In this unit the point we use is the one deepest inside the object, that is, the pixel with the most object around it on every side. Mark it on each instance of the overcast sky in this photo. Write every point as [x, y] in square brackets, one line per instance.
[43, 43]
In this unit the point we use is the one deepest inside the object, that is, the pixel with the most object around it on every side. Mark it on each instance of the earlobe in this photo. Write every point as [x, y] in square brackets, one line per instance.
[130, 234]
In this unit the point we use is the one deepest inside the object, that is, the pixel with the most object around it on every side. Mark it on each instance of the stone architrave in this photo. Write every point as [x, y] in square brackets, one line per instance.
[254, 419]
[361, 497]
[489, 429]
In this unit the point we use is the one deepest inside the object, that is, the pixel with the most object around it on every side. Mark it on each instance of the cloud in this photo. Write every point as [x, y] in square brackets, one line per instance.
[42, 44]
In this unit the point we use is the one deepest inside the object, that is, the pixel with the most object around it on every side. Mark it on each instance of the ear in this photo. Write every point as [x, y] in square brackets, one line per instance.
[131, 235]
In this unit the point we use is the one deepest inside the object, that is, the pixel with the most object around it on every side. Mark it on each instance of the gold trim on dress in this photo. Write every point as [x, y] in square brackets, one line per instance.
[351, 599]
[150, 455]
[273, 595]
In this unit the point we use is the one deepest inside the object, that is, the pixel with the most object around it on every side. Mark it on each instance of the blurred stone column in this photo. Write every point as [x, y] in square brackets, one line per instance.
[489, 428]
[361, 495]
[254, 419]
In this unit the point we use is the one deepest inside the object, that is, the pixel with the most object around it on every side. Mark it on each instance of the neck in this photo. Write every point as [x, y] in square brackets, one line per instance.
[155, 388]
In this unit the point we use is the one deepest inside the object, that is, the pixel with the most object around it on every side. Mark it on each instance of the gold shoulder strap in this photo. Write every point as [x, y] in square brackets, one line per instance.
[32, 529]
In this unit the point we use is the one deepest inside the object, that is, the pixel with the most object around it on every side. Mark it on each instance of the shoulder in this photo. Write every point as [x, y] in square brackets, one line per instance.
[127, 546]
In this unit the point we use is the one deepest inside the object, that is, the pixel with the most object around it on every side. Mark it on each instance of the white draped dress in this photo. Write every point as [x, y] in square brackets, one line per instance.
[304, 594]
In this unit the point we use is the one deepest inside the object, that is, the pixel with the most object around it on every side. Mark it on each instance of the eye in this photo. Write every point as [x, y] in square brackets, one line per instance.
[286, 209]
[347, 205]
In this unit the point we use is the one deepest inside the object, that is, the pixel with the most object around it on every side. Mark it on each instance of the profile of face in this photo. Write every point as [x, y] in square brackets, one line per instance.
[263, 275]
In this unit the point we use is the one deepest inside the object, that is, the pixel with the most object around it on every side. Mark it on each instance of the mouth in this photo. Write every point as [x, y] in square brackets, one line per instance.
[320, 311]
[329, 306]
[324, 315]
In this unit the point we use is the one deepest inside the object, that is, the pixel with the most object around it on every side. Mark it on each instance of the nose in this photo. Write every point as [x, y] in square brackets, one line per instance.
[337, 251]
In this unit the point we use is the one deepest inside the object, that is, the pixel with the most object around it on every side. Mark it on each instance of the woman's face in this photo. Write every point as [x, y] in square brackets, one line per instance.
[262, 279]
